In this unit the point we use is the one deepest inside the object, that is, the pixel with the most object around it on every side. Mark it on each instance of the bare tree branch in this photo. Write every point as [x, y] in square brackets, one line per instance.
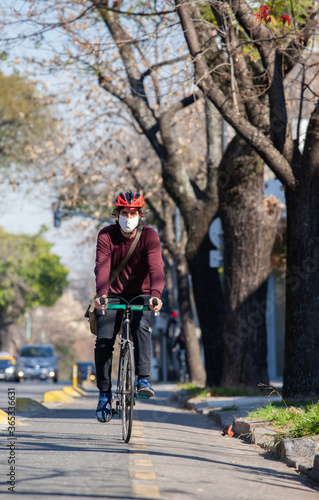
[250, 133]
[184, 103]
[142, 13]
[164, 63]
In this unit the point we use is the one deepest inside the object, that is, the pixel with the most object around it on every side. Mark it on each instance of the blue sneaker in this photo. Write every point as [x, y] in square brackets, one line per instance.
[144, 389]
[103, 411]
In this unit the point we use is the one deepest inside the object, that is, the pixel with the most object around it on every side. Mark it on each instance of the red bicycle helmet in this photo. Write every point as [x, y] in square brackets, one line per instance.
[129, 199]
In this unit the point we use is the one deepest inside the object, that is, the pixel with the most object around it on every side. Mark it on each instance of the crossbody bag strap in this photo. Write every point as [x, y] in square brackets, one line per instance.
[117, 271]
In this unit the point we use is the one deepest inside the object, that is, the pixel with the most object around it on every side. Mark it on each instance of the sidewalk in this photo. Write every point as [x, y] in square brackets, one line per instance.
[230, 413]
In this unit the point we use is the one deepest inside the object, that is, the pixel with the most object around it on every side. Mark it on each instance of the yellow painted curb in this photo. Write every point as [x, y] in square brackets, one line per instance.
[56, 396]
[4, 418]
[71, 392]
[79, 390]
[23, 404]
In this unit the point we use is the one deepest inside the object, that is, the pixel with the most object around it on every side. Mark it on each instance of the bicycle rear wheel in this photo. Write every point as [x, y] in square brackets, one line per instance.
[128, 392]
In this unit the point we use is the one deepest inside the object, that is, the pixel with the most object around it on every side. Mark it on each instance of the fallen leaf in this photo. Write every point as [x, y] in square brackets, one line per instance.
[229, 431]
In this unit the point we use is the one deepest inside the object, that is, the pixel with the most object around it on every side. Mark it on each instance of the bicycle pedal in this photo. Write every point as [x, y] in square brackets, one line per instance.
[142, 396]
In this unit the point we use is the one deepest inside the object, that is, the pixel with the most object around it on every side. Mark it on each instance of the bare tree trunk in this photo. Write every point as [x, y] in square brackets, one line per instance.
[206, 281]
[195, 364]
[301, 375]
[249, 223]
[209, 299]
[177, 250]
[4, 333]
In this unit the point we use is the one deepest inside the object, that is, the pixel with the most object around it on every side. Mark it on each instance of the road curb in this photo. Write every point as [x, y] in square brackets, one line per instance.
[58, 396]
[4, 418]
[314, 474]
[28, 404]
[81, 391]
[71, 391]
[65, 395]
[301, 453]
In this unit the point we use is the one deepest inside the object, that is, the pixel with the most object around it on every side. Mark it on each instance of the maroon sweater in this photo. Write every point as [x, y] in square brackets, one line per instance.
[142, 274]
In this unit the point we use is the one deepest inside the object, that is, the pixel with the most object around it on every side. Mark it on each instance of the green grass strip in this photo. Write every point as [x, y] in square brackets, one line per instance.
[290, 421]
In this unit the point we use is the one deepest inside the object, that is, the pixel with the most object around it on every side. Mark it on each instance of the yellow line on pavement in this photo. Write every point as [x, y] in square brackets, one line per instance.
[137, 433]
[144, 462]
[139, 444]
[143, 474]
[146, 491]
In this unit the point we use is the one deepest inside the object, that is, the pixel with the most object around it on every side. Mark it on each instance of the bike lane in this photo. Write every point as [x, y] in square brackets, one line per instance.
[64, 452]
[173, 454]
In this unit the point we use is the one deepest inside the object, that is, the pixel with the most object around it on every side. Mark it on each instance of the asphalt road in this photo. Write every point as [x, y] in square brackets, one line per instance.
[174, 454]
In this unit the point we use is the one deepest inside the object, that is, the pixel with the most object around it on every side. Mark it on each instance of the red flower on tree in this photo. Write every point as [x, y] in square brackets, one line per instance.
[285, 19]
[263, 14]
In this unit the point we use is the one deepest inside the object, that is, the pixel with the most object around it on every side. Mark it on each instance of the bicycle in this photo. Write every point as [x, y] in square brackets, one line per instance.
[126, 392]
[183, 374]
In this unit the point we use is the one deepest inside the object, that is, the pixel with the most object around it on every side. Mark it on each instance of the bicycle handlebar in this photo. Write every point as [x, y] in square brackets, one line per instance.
[124, 306]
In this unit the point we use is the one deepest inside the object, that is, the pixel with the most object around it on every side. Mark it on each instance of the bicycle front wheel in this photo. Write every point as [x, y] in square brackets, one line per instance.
[128, 392]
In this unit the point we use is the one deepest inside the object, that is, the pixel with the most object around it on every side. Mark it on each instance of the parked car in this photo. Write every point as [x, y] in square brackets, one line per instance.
[7, 368]
[37, 361]
[7, 355]
[86, 371]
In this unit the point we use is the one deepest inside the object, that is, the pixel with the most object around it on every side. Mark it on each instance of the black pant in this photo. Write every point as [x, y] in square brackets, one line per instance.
[108, 325]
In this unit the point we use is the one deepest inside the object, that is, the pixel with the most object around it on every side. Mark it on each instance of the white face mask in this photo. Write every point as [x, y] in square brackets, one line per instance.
[128, 224]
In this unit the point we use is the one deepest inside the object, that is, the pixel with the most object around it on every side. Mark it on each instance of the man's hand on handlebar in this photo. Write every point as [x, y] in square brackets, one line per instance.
[101, 303]
[155, 304]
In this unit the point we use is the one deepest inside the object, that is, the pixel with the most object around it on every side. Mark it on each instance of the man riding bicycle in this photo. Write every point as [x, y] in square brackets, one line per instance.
[142, 275]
